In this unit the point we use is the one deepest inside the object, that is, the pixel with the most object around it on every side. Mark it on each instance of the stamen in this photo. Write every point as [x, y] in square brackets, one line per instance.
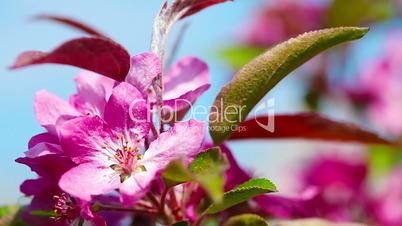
[65, 208]
[126, 155]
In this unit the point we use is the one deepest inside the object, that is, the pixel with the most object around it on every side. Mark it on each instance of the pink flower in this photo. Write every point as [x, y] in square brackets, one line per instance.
[386, 208]
[49, 198]
[93, 91]
[283, 19]
[332, 187]
[379, 84]
[108, 151]
[184, 83]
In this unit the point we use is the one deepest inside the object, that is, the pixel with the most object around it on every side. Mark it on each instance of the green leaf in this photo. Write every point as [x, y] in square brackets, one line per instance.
[258, 77]
[238, 56]
[43, 213]
[208, 169]
[356, 12]
[246, 220]
[11, 216]
[175, 173]
[181, 223]
[211, 222]
[242, 193]
[382, 160]
[7, 210]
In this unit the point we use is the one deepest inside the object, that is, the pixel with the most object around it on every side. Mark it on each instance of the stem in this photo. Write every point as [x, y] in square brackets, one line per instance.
[175, 207]
[154, 200]
[158, 46]
[146, 143]
[154, 131]
[145, 205]
[158, 87]
[173, 197]
[163, 200]
[166, 217]
[199, 220]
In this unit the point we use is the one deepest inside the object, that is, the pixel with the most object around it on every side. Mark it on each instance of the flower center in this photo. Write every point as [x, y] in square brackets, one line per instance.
[126, 157]
[65, 207]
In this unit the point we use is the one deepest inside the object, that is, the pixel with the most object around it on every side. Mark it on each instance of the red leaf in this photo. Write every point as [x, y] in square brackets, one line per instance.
[96, 54]
[199, 5]
[306, 126]
[72, 23]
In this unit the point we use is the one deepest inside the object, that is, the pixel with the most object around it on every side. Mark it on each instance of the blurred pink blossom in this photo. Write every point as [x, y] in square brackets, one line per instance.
[282, 19]
[387, 207]
[378, 85]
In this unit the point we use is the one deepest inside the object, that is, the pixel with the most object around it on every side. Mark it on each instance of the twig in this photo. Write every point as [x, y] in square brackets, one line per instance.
[199, 220]
[154, 200]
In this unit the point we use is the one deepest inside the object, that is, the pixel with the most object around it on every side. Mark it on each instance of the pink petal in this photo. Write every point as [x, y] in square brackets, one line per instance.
[136, 186]
[84, 138]
[183, 140]
[48, 166]
[126, 110]
[100, 55]
[41, 202]
[144, 68]
[48, 108]
[42, 137]
[89, 179]
[89, 216]
[43, 148]
[186, 101]
[36, 186]
[93, 92]
[234, 175]
[188, 74]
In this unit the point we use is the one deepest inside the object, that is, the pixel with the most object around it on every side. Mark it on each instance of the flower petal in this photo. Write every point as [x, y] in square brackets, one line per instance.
[286, 207]
[144, 68]
[93, 92]
[85, 138]
[36, 186]
[89, 179]
[42, 202]
[185, 101]
[126, 110]
[43, 148]
[48, 166]
[136, 186]
[234, 175]
[48, 108]
[188, 74]
[42, 137]
[184, 139]
[91, 219]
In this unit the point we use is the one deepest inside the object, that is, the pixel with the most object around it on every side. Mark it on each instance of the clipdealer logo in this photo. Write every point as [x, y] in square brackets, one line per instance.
[231, 114]
[266, 108]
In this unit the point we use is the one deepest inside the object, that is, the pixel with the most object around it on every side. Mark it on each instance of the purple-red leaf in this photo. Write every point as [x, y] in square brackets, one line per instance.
[306, 126]
[198, 5]
[100, 55]
[72, 23]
